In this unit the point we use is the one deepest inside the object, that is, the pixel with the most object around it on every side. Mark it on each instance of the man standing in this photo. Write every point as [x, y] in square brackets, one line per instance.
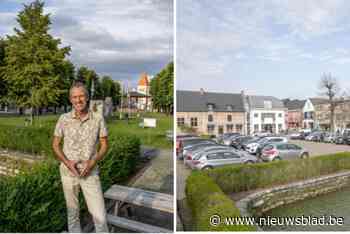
[81, 130]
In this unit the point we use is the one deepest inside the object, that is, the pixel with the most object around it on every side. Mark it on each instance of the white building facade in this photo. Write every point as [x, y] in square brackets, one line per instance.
[266, 114]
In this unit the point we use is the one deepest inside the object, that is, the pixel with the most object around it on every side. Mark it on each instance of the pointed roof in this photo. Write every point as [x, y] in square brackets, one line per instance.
[143, 81]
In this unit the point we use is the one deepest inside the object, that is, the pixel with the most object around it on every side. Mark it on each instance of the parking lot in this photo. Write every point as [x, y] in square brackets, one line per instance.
[314, 148]
[318, 148]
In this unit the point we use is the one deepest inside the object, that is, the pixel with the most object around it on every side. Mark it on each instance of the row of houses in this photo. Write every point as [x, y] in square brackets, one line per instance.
[218, 113]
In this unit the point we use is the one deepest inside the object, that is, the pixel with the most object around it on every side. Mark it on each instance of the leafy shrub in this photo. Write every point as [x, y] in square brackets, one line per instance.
[246, 177]
[205, 198]
[120, 160]
[33, 201]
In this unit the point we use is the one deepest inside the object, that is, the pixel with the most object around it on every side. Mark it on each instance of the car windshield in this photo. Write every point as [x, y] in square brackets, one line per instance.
[263, 140]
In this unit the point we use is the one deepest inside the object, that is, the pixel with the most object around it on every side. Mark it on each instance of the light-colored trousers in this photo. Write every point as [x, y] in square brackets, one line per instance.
[92, 191]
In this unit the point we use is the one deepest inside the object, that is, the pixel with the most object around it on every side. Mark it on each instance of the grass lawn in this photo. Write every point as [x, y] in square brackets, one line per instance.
[154, 137]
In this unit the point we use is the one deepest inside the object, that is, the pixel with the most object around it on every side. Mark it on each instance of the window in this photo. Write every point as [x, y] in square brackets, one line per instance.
[229, 155]
[229, 128]
[267, 104]
[280, 115]
[293, 147]
[279, 127]
[194, 122]
[229, 118]
[229, 107]
[275, 140]
[210, 107]
[256, 115]
[256, 127]
[282, 147]
[210, 118]
[180, 122]
[215, 156]
[239, 127]
[210, 128]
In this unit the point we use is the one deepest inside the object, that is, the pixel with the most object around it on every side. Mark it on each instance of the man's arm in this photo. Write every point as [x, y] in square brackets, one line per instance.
[70, 164]
[90, 164]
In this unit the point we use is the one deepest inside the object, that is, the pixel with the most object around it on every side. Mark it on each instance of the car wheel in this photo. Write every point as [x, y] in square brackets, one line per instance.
[304, 155]
[277, 159]
[207, 168]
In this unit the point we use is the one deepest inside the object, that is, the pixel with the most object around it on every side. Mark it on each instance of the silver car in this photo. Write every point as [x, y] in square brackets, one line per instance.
[279, 151]
[191, 155]
[218, 158]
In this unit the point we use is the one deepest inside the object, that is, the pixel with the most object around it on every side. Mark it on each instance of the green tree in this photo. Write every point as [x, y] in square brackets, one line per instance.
[67, 79]
[34, 60]
[162, 89]
[111, 89]
[3, 83]
[86, 76]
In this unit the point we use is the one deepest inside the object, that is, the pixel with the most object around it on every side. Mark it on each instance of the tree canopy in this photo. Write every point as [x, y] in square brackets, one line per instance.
[33, 60]
[162, 89]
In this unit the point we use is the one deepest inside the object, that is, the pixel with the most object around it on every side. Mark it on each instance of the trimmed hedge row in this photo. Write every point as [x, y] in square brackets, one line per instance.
[31, 140]
[206, 199]
[247, 177]
[33, 201]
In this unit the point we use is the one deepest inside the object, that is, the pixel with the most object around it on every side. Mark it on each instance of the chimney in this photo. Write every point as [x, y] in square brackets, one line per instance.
[201, 91]
[242, 93]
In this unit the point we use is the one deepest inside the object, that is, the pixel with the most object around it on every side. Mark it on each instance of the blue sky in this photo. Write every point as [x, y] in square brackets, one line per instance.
[118, 38]
[273, 47]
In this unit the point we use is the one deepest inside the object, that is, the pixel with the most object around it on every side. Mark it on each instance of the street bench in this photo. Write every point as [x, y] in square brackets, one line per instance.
[122, 194]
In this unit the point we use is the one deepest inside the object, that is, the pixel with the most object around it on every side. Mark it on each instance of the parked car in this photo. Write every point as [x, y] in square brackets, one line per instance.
[279, 151]
[221, 138]
[339, 140]
[218, 158]
[228, 140]
[237, 142]
[262, 134]
[192, 154]
[187, 141]
[295, 135]
[329, 137]
[195, 146]
[255, 148]
[315, 136]
[346, 136]
[254, 140]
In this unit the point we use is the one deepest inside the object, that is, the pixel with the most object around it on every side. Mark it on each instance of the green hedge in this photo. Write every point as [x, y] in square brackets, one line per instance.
[33, 201]
[247, 177]
[33, 140]
[205, 199]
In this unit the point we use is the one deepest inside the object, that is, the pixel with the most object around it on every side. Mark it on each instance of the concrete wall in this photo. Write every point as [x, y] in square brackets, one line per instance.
[257, 203]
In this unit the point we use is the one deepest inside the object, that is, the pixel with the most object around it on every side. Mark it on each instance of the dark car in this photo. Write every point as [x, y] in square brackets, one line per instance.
[237, 143]
[346, 136]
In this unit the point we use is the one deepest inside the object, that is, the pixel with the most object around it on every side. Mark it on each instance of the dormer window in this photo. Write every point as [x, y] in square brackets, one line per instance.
[267, 104]
[210, 107]
[229, 107]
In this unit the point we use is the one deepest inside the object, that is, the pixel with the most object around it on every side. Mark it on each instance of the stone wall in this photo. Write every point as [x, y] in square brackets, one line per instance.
[12, 161]
[257, 203]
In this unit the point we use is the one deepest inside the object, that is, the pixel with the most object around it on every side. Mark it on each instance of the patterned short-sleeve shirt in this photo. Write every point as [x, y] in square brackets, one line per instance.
[80, 137]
